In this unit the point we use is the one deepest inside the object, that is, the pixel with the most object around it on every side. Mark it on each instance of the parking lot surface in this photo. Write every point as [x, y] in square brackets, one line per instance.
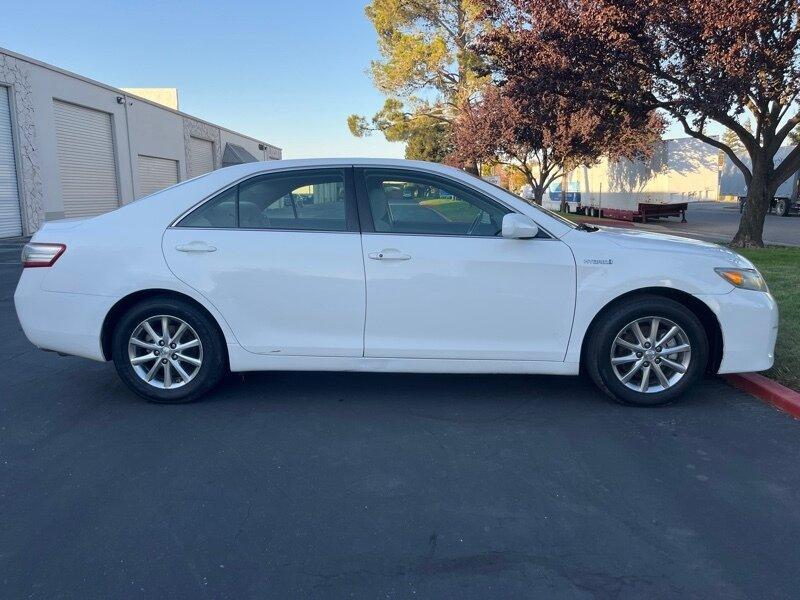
[369, 485]
[719, 221]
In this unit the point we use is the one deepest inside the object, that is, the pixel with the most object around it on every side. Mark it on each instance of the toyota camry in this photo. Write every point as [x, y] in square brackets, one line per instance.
[384, 265]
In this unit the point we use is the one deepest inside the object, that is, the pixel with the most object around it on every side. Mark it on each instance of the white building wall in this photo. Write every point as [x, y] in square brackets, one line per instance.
[269, 151]
[154, 132]
[46, 87]
[680, 170]
[139, 127]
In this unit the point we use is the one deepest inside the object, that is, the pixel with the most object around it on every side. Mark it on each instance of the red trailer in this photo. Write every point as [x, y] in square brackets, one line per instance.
[645, 212]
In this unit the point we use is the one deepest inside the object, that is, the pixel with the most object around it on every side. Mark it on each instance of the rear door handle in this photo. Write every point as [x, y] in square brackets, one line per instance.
[195, 247]
[389, 254]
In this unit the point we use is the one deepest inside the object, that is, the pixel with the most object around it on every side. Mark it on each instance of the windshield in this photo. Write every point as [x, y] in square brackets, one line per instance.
[549, 213]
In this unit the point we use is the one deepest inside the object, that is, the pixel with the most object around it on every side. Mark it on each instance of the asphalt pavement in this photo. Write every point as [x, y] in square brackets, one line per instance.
[719, 221]
[332, 485]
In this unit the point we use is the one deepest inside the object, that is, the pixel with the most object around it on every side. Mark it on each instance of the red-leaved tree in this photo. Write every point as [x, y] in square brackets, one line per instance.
[544, 136]
[696, 60]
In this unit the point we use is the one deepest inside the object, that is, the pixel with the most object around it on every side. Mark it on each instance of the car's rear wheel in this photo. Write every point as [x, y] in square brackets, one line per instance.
[647, 351]
[166, 350]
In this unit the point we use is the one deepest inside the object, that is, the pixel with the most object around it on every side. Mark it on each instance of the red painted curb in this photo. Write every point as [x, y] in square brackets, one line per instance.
[767, 390]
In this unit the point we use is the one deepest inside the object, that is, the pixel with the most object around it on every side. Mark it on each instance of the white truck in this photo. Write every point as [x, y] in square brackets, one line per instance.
[552, 197]
[785, 201]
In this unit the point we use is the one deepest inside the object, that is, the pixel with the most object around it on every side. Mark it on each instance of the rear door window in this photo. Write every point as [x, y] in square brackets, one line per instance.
[303, 200]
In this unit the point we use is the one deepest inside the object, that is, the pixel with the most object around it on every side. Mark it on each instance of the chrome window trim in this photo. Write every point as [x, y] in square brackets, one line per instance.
[174, 223]
[441, 176]
[340, 231]
[457, 182]
[462, 236]
[265, 229]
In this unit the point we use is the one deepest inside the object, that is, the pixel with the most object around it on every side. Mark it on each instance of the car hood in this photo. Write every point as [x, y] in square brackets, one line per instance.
[632, 239]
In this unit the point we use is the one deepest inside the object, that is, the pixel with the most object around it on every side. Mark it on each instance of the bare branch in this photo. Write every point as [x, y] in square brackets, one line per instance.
[789, 165]
[748, 175]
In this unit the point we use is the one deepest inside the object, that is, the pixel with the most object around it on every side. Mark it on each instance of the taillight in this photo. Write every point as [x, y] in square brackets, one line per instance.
[41, 255]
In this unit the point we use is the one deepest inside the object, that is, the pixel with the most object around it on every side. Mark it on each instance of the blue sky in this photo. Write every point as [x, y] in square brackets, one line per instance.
[287, 72]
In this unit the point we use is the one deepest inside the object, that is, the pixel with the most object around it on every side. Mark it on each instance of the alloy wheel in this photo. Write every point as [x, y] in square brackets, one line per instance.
[165, 352]
[651, 354]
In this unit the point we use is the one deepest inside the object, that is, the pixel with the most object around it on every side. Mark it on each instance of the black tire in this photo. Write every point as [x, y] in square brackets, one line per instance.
[781, 207]
[603, 333]
[208, 374]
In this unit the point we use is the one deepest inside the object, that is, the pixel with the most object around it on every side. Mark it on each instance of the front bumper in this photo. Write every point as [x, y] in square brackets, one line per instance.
[749, 323]
[60, 321]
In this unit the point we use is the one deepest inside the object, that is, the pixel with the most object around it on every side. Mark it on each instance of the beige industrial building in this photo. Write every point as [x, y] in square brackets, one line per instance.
[679, 170]
[74, 147]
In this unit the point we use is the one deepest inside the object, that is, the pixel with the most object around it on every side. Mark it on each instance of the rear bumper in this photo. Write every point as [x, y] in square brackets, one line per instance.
[749, 323]
[59, 321]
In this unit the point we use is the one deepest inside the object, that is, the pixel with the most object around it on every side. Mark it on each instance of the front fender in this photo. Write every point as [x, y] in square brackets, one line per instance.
[607, 271]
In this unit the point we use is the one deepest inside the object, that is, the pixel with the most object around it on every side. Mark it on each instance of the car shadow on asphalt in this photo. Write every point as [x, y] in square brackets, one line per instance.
[466, 391]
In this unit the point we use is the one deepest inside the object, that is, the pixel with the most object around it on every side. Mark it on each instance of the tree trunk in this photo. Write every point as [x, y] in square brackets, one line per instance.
[759, 196]
[472, 168]
[564, 182]
[538, 194]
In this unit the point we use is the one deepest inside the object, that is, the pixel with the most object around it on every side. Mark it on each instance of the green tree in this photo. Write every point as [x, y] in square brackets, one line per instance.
[427, 137]
[431, 143]
[427, 69]
[731, 139]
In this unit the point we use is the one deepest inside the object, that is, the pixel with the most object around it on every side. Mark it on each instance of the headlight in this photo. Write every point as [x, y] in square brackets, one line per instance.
[746, 279]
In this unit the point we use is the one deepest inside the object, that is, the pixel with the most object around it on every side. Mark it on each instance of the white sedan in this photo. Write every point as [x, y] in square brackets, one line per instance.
[384, 265]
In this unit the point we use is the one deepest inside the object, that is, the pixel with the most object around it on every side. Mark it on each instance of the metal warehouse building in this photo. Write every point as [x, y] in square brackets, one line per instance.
[73, 147]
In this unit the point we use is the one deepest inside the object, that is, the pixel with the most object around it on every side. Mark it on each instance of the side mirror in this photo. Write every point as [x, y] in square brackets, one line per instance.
[519, 227]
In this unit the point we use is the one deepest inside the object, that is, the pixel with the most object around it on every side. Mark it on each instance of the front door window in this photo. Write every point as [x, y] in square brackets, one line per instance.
[403, 202]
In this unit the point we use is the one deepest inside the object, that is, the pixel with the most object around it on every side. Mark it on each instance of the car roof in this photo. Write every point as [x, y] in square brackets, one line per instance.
[270, 165]
[168, 204]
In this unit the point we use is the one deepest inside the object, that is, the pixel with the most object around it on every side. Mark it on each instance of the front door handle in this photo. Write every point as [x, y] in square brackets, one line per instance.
[195, 247]
[389, 254]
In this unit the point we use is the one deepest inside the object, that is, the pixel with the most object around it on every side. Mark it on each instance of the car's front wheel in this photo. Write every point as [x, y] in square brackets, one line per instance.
[647, 351]
[167, 350]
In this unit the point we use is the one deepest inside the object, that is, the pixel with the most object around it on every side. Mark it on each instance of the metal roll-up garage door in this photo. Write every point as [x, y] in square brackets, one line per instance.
[201, 156]
[86, 163]
[156, 174]
[10, 221]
